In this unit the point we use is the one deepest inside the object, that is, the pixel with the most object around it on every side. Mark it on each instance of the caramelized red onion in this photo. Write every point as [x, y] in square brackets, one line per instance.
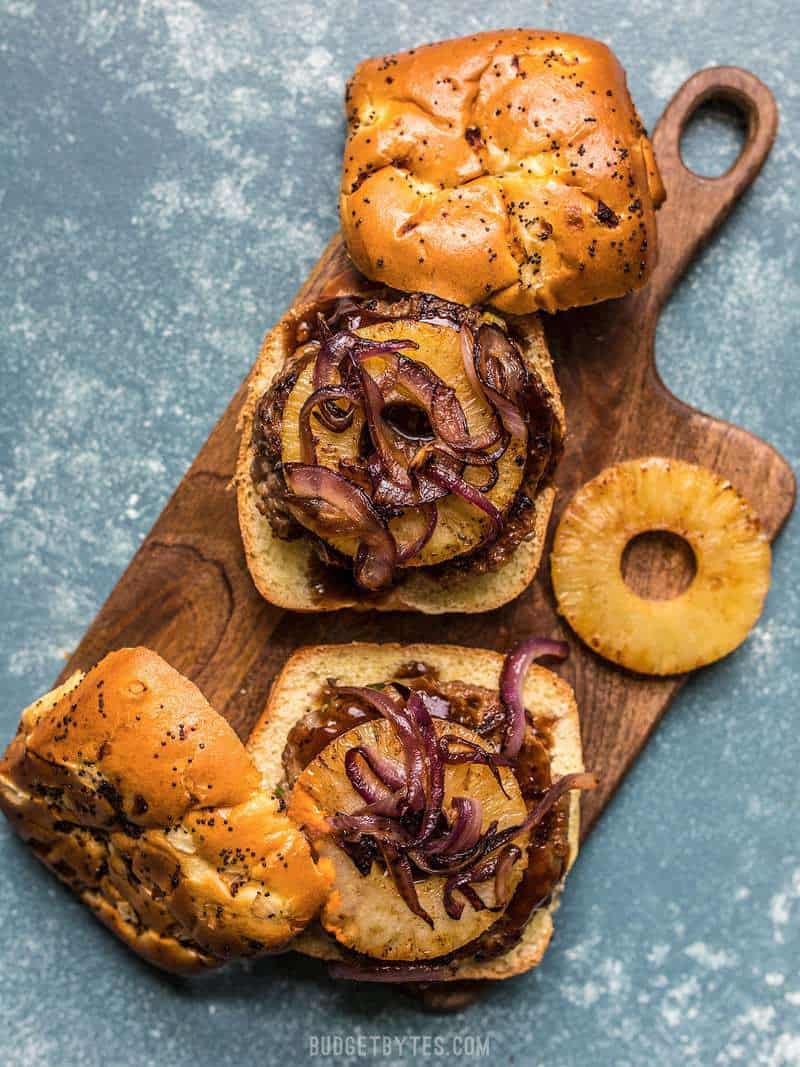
[497, 867]
[466, 827]
[396, 474]
[474, 754]
[399, 867]
[460, 457]
[392, 709]
[511, 682]
[490, 344]
[440, 475]
[330, 413]
[463, 881]
[582, 780]
[404, 817]
[430, 516]
[382, 828]
[450, 862]
[387, 493]
[502, 875]
[435, 397]
[338, 346]
[491, 479]
[379, 432]
[498, 362]
[442, 406]
[382, 800]
[390, 772]
[434, 793]
[332, 505]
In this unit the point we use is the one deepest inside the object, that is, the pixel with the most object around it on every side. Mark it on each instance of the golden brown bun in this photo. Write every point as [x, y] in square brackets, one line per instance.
[138, 795]
[296, 689]
[284, 571]
[509, 167]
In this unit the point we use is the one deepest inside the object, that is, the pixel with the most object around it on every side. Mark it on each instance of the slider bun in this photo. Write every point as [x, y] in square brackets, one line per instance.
[138, 795]
[509, 167]
[548, 697]
[285, 572]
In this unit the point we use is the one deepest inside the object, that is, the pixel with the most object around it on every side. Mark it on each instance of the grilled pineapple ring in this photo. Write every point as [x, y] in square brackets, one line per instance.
[460, 527]
[705, 622]
[365, 912]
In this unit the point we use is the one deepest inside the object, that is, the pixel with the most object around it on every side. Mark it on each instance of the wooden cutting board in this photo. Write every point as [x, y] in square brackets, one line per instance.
[187, 592]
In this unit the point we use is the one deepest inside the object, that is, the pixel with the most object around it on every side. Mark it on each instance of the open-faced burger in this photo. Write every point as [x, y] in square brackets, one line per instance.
[397, 453]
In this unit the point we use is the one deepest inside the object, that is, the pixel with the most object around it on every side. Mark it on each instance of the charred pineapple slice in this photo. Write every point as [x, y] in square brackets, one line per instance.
[460, 527]
[365, 912]
[721, 604]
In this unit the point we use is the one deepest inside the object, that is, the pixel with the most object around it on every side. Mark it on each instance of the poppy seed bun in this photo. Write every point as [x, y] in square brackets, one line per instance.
[138, 795]
[508, 167]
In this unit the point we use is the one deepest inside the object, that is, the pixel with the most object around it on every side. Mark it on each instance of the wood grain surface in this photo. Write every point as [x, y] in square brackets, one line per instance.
[187, 592]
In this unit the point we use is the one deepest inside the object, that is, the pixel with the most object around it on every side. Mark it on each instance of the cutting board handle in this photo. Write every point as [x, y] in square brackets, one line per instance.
[696, 205]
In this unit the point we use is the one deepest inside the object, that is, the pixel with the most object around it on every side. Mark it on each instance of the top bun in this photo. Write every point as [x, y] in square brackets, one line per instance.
[508, 168]
[141, 797]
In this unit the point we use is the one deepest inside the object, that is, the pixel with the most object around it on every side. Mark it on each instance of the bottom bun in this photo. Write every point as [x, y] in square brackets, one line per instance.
[550, 698]
[287, 572]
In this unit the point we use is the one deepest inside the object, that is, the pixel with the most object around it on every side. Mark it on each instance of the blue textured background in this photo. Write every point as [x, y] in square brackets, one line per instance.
[168, 173]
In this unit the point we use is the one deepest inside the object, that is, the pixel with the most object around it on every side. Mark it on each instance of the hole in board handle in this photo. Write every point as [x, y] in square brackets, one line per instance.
[714, 136]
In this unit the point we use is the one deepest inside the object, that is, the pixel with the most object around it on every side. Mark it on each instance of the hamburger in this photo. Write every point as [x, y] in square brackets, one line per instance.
[405, 813]
[399, 442]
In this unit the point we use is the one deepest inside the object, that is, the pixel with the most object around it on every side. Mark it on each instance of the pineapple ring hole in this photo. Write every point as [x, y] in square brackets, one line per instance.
[409, 421]
[658, 564]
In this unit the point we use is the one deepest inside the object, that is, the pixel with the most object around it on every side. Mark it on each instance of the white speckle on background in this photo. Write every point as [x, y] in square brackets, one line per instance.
[713, 959]
[668, 75]
[786, 1052]
[757, 1017]
[657, 954]
[20, 8]
[227, 199]
[202, 51]
[781, 905]
[680, 1002]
